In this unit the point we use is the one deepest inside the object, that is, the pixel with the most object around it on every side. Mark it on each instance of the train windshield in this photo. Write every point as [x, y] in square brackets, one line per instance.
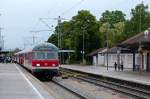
[45, 55]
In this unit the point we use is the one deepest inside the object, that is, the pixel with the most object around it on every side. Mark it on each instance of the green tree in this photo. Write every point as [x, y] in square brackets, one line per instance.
[140, 20]
[104, 33]
[53, 39]
[119, 34]
[85, 25]
[112, 17]
[112, 27]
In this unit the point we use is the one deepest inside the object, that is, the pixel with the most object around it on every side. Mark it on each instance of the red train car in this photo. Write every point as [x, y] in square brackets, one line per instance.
[41, 59]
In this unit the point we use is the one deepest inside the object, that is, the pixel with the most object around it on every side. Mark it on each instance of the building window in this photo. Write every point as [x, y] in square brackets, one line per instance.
[129, 59]
[122, 57]
[114, 58]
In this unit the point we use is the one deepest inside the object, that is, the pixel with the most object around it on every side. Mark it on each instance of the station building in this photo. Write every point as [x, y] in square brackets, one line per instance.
[139, 43]
[134, 52]
[99, 57]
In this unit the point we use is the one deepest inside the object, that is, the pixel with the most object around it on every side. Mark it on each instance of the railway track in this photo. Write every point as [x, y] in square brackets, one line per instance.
[123, 88]
[120, 87]
[46, 81]
[75, 92]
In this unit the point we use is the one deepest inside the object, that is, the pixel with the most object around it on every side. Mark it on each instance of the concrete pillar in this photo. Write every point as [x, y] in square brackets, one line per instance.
[142, 63]
[134, 60]
[147, 64]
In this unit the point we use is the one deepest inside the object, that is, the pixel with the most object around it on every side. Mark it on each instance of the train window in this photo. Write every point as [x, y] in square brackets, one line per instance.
[38, 55]
[51, 55]
[45, 55]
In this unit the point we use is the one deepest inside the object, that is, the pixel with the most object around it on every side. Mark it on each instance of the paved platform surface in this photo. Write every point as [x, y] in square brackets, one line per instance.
[17, 84]
[127, 74]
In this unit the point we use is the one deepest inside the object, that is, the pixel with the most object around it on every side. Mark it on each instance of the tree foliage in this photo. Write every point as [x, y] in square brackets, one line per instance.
[84, 24]
[140, 20]
[112, 26]
[112, 17]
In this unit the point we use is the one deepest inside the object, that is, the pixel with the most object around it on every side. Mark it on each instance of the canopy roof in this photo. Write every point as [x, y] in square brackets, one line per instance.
[100, 50]
[136, 41]
[111, 50]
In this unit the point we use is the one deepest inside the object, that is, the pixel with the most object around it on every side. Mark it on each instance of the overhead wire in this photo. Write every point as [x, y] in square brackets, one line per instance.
[71, 8]
[63, 13]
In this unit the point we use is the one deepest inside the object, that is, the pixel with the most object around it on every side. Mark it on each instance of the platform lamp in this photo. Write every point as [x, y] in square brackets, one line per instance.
[146, 33]
[83, 39]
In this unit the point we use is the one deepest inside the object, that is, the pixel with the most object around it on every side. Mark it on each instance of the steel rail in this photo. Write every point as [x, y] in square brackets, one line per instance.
[69, 89]
[120, 88]
[135, 92]
[56, 82]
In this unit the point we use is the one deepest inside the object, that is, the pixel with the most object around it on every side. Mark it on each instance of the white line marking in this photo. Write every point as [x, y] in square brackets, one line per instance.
[23, 75]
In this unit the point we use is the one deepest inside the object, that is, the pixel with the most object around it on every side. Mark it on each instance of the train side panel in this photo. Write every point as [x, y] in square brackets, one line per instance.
[42, 59]
[28, 60]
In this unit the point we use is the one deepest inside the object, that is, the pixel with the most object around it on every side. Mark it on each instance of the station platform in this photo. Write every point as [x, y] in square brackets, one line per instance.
[18, 84]
[126, 74]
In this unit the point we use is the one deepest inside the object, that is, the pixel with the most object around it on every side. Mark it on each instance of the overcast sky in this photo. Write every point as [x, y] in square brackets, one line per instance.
[19, 17]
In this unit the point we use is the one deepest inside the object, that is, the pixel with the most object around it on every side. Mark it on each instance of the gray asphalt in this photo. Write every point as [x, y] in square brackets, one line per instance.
[15, 85]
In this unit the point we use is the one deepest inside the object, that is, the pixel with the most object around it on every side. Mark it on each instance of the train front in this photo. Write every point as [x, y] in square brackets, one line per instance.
[45, 60]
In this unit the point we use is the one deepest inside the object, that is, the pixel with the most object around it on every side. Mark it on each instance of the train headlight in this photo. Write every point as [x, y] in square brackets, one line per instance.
[46, 64]
[53, 65]
[38, 65]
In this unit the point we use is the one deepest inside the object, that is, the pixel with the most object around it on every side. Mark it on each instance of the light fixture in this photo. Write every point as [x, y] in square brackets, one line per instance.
[146, 33]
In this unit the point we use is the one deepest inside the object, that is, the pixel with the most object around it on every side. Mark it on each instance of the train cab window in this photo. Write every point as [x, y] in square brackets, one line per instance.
[45, 55]
[38, 55]
[51, 55]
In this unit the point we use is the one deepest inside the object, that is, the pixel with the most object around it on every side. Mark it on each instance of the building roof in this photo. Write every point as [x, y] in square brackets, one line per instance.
[96, 51]
[131, 43]
[111, 50]
[135, 41]
[115, 49]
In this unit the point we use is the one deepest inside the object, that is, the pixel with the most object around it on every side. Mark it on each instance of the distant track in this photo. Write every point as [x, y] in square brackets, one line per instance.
[69, 89]
[120, 87]
[138, 93]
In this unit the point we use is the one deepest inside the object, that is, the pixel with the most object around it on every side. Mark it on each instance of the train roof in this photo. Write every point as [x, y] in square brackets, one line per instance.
[39, 47]
[45, 46]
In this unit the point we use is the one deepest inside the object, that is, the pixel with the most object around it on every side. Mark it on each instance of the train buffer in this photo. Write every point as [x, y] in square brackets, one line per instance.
[16, 83]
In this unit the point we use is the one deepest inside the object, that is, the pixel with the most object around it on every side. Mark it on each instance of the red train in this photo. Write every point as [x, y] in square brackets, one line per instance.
[41, 60]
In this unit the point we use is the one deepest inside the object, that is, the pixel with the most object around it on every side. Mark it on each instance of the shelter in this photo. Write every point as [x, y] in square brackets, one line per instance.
[65, 56]
[139, 43]
[97, 56]
[100, 56]
[5, 52]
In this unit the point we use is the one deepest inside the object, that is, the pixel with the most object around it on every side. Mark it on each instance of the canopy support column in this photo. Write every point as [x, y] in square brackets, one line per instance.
[134, 68]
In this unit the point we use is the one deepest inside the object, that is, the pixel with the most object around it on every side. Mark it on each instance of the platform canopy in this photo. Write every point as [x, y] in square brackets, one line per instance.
[138, 40]
[95, 52]
[66, 51]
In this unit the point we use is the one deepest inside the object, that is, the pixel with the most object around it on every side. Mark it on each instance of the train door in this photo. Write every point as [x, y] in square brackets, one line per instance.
[21, 59]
